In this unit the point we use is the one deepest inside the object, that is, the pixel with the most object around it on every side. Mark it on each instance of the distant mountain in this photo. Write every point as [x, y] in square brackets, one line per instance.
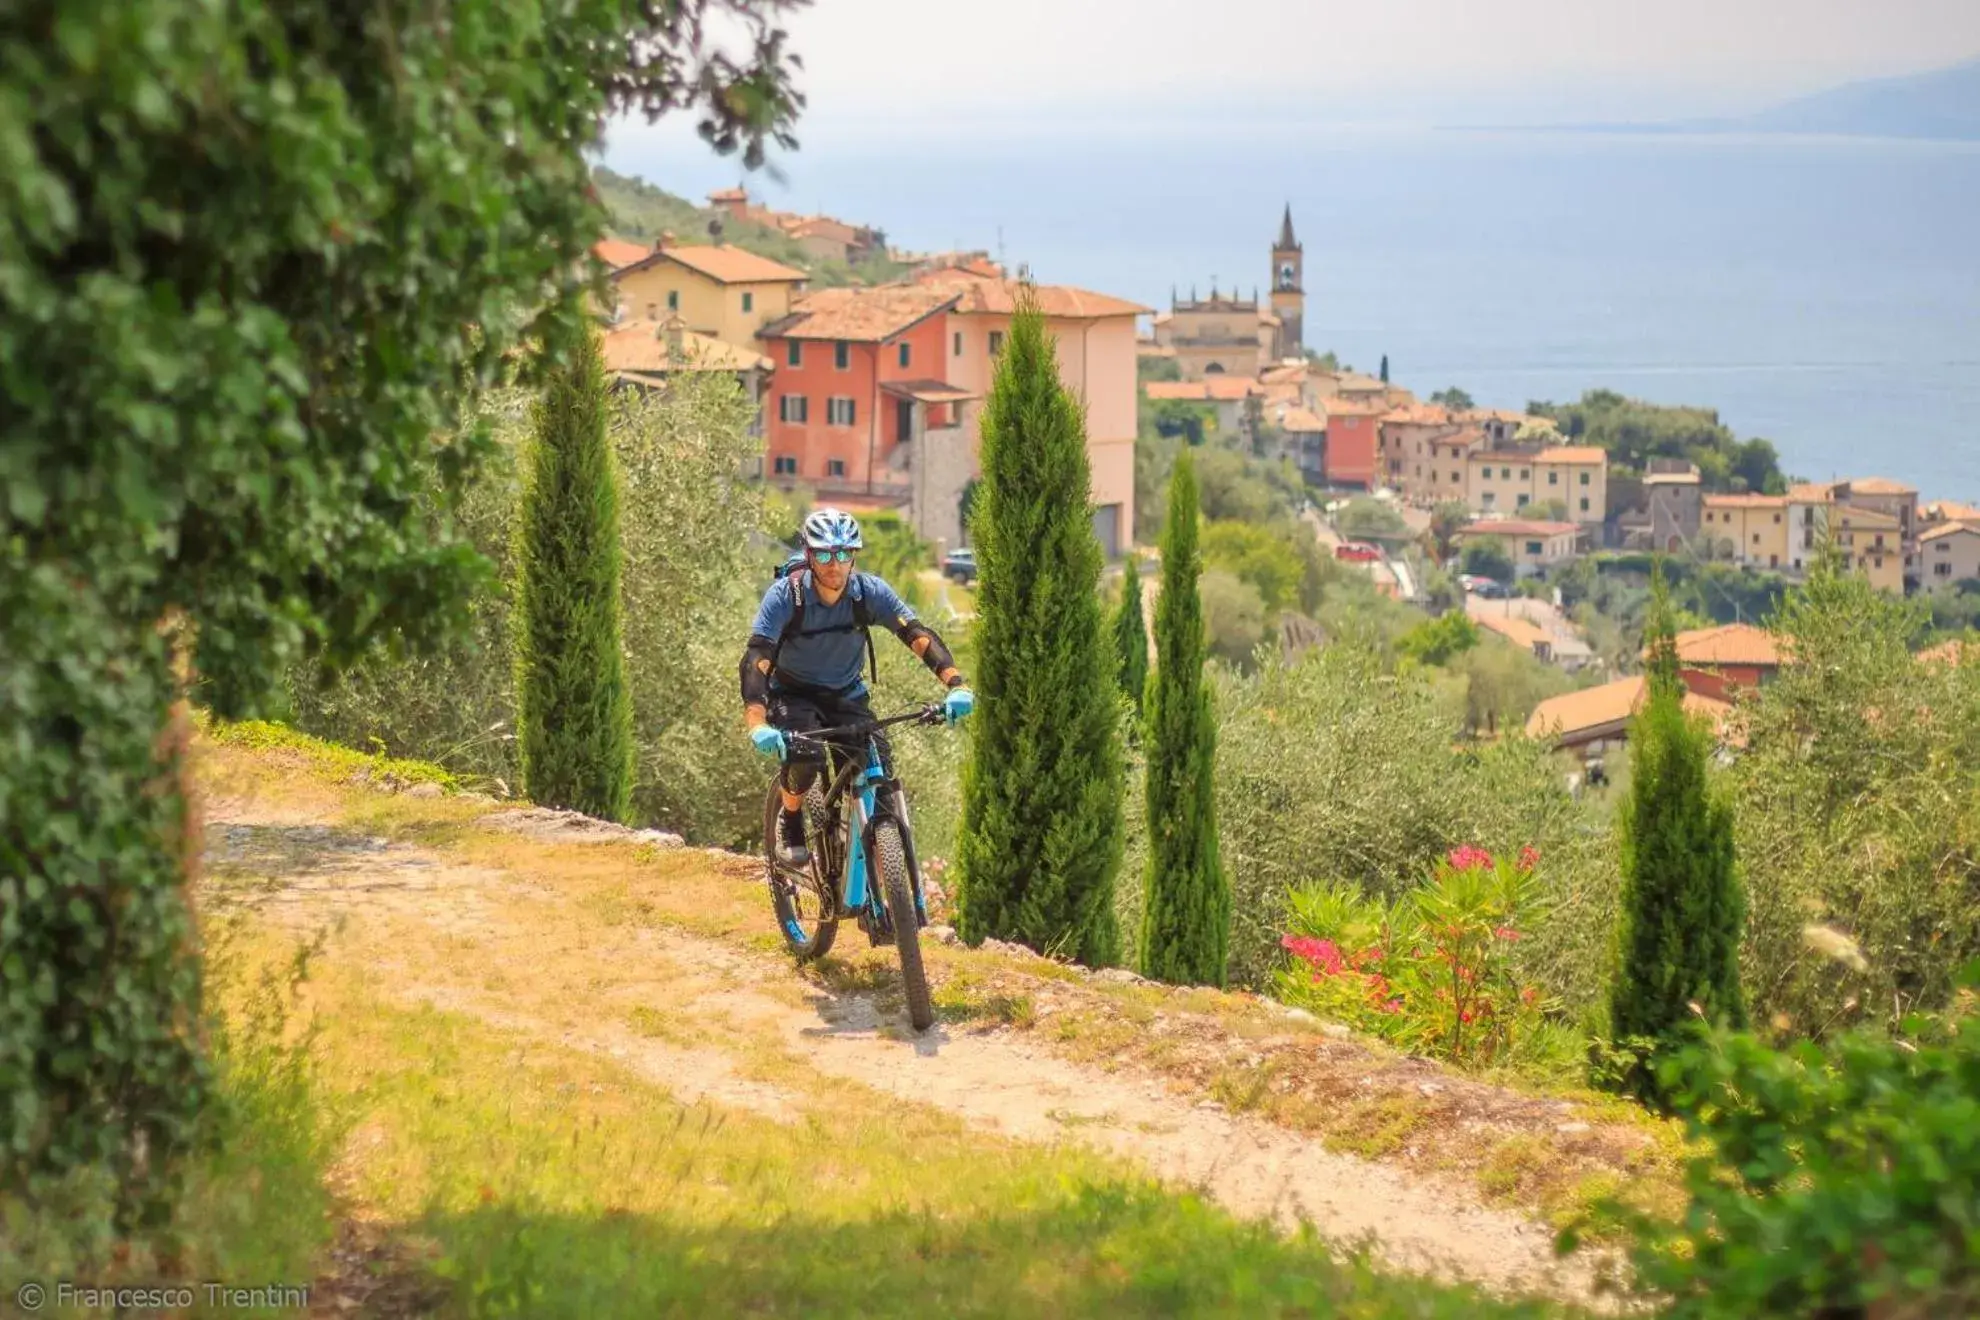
[1942, 104]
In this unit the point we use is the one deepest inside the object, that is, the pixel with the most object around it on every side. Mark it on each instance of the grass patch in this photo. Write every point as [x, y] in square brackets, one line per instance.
[1380, 1125]
[341, 763]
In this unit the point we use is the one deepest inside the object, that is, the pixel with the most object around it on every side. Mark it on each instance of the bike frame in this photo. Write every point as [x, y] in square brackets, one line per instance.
[862, 784]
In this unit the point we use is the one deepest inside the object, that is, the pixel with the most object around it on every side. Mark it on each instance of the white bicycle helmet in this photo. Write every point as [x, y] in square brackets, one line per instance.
[831, 529]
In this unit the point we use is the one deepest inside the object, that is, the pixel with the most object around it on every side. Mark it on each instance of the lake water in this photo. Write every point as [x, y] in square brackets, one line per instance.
[1823, 293]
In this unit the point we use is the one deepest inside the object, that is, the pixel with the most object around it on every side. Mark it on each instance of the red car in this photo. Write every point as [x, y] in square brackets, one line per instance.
[1359, 552]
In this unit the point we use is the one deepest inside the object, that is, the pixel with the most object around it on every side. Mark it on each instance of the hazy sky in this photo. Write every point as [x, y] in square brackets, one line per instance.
[1373, 58]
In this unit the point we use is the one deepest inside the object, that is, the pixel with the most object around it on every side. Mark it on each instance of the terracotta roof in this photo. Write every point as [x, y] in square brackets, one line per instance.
[617, 252]
[1356, 383]
[824, 226]
[1301, 420]
[1520, 632]
[1943, 530]
[1880, 486]
[729, 195]
[1211, 389]
[1591, 709]
[1280, 372]
[1350, 408]
[1871, 519]
[1746, 501]
[1421, 414]
[862, 315]
[928, 391]
[1730, 644]
[996, 296]
[1811, 492]
[641, 345]
[1950, 511]
[1517, 527]
[1572, 454]
[725, 264]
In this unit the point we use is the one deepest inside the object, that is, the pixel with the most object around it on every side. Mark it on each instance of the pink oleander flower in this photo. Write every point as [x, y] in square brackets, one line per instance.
[1529, 857]
[1469, 858]
[1393, 1006]
[1467, 1015]
[1506, 933]
[1322, 954]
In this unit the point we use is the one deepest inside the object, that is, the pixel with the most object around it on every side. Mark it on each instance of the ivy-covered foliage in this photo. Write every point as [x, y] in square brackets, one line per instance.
[251, 256]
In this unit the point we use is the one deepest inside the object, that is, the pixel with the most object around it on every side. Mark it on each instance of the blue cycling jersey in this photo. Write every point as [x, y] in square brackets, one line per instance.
[828, 650]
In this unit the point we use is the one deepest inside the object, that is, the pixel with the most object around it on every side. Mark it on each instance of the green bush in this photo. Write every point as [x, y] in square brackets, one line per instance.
[1130, 632]
[1440, 640]
[1233, 616]
[1432, 972]
[1260, 555]
[1838, 1181]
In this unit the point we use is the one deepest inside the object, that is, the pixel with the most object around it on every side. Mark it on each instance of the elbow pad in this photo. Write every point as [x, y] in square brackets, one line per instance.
[757, 659]
[921, 639]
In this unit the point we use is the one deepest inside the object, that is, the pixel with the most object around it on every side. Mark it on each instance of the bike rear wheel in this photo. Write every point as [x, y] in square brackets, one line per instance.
[805, 901]
[890, 858]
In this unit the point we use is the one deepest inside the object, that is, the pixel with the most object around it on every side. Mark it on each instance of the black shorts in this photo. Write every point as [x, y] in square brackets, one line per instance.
[801, 712]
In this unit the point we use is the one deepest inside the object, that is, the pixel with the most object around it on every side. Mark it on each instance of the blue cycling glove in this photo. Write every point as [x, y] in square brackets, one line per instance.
[770, 740]
[960, 702]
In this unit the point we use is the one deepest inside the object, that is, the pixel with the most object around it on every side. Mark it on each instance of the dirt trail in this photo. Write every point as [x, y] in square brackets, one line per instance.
[694, 1014]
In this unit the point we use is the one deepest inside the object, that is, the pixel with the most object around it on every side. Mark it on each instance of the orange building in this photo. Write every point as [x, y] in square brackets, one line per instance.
[1354, 438]
[1717, 662]
[853, 366]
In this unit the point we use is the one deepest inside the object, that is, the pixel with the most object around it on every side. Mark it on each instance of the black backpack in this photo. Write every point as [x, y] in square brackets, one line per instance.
[789, 572]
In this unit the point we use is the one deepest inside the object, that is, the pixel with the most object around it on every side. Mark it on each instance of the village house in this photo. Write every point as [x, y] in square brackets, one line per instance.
[1303, 441]
[1675, 494]
[1531, 545]
[1871, 544]
[1719, 662]
[1949, 552]
[1573, 478]
[821, 236]
[1235, 401]
[1594, 722]
[1808, 507]
[1093, 335]
[614, 253]
[1892, 498]
[645, 353]
[1353, 436]
[720, 291]
[859, 387]
[1747, 529]
[1405, 434]
[1533, 626]
[1940, 512]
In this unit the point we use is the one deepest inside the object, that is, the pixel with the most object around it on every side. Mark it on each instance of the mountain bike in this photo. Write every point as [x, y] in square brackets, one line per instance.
[856, 826]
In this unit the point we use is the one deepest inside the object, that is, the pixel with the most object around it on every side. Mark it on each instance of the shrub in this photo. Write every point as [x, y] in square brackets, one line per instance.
[240, 249]
[1260, 555]
[1130, 633]
[1485, 557]
[1682, 906]
[1233, 616]
[1041, 832]
[1432, 972]
[1185, 930]
[573, 710]
[1437, 641]
[1838, 1180]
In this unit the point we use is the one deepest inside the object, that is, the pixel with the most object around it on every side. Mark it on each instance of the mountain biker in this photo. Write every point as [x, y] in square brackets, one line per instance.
[802, 668]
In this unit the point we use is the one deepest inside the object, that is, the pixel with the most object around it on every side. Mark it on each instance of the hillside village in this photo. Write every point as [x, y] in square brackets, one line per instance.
[870, 397]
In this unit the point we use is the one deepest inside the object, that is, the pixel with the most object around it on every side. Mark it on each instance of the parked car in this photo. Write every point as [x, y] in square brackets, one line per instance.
[960, 566]
[1359, 552]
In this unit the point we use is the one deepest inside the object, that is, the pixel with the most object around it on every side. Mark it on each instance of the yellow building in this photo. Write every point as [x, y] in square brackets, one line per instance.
[1872, 543]
[1508, 480]
[1747, 529]
[722, 292]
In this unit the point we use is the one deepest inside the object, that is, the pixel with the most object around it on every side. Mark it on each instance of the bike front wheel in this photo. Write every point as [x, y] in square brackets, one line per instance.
[806, 904]
[890, 857]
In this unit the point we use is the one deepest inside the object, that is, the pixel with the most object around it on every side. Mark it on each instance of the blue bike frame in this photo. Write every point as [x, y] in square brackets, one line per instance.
[864, 807]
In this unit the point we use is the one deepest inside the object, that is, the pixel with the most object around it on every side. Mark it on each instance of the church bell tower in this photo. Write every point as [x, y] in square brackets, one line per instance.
[1288, 291]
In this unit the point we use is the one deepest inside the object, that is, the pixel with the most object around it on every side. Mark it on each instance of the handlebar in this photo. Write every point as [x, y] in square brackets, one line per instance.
[930, 713]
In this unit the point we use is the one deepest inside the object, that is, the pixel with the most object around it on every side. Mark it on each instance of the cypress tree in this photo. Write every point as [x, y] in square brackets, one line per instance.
[1041, 831]
[1131, 636]
[1385, 368]
[573, 707]
[1186, 924]
[1682, 908]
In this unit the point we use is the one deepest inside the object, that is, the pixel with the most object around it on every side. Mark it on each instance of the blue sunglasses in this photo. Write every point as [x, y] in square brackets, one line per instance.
[833, 556]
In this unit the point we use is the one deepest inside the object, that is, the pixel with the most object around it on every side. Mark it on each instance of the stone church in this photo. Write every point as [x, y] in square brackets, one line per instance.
[1226, 334]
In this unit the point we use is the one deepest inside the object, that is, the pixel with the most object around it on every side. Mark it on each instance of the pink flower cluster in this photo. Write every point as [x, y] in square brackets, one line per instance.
[1322, 954]
[1470, 858]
